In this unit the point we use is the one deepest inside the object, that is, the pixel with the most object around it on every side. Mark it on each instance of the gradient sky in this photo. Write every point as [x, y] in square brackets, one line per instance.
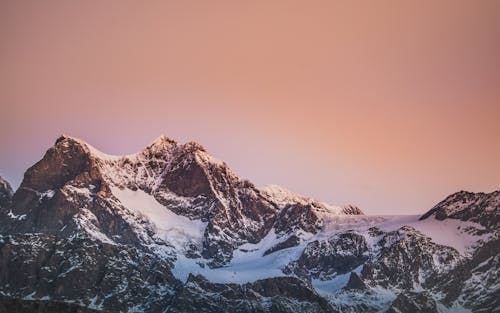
[389, 105]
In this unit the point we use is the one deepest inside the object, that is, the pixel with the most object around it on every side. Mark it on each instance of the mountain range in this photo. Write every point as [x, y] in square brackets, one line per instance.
[172, 229]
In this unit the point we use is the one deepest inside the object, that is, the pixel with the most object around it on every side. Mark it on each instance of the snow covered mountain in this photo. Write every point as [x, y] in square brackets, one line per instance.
[171, 229]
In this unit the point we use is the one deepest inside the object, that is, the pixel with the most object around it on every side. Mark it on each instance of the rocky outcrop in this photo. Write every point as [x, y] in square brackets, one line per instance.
[352, 209]
[480, 290]
[417, 302]
[99, 275]
[5, 193]
[474, 281]
[482, 208]
[298, 217]
[290, 242]
[5, 203]
[407, 258]
[355, 282]
[56, 188]
[15, 305]
[338, 255]
[277, 295]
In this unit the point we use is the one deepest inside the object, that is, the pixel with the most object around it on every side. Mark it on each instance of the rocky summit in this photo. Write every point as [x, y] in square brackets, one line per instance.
[172, 229]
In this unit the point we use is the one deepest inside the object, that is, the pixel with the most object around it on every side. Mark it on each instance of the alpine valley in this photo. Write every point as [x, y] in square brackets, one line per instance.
[172, 229]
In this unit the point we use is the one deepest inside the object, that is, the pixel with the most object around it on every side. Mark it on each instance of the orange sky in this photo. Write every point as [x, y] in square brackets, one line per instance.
[390, 105]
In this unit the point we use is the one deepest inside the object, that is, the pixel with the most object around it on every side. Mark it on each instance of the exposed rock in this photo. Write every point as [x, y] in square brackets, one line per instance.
[474, 281]
[277, 295]
[5, 193]
[14, 305]
[413, 302]
[291, 241]
[5, 203]
[339, 254]
[352, 209]
[407, 258]
[480, 207]
[94, 273]
[367, 300]
[355, 282]
[298, 216]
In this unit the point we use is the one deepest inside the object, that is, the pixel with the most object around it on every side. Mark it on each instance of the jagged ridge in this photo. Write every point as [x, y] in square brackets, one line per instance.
[172, 210]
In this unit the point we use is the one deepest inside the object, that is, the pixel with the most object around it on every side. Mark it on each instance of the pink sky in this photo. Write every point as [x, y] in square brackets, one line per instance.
[389, 105]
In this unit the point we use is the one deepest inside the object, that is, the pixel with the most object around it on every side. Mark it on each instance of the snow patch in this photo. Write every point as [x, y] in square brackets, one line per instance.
[47, 194]
[248, 263]
[449, 232]
[175, 229]
[16, 217]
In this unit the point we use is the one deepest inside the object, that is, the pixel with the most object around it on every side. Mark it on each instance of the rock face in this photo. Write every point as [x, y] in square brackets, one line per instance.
[407, 258]
[15, 305]
[339, 254]
[5, 193]
[5, 202]
[474, 280]
[467, 206]
[413, 302]
[279, 295]
[290, 242]
[171, 229]
[355, 282]
[98, 274]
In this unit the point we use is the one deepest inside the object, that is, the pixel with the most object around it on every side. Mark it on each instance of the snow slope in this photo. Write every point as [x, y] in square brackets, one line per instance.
[175, 229]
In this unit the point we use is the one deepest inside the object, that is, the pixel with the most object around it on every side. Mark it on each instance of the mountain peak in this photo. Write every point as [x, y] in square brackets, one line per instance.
[64, 137]
[483, 208]
[193, 146]
[5, 187]
[5, 192]
[173, 210]
[160, 145]
[65, 141]
[284, 197]
[163, 140]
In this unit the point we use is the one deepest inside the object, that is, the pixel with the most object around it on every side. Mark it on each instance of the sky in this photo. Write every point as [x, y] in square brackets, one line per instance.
[388, 105]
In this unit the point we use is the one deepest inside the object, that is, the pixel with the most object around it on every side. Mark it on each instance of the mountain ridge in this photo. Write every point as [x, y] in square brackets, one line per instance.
[149, 231]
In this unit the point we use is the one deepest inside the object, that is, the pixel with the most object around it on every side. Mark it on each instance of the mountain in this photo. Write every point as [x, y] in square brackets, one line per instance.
[172, 229]
[467, 206]
[5, 200]
[5, 193]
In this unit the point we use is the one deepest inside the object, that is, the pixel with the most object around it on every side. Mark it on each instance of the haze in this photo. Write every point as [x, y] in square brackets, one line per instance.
[389, 105]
